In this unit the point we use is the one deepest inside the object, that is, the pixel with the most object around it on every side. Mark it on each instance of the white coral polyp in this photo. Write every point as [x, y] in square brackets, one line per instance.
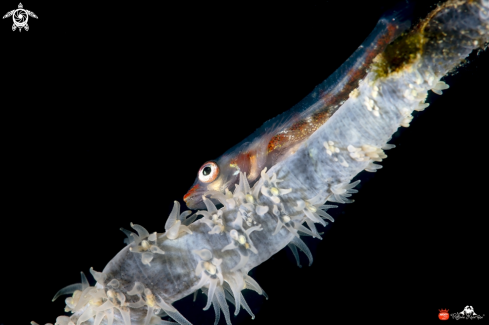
[99, 304]
[240, 236]
[292, 223]
[342, 191]
[439, 86]
[93, 303]
[313, 210]
[145, 244]
[210, 273]
[176, 228]
[248, 212]
[271, 181]
[407, 117]
[212, 217]
[235, 283]
[272, 191]
[146, 298]
[366, 153]
[63, 320]
[226, 199]
[243, 194]
[241, 241]
[330, 147]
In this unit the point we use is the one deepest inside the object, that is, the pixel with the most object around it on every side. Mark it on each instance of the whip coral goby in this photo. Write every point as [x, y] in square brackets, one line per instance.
[292, 192]
[281, 136]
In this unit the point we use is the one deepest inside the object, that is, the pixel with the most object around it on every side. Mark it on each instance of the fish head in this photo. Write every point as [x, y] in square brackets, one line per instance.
[213, 175]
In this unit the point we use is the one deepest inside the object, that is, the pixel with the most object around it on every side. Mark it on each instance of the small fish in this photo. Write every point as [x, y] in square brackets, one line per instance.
[280, 137]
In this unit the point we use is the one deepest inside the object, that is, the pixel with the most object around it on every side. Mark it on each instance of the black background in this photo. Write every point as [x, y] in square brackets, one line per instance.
[109, 110]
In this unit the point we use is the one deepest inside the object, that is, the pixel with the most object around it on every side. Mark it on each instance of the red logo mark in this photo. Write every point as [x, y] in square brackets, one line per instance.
[443, 315]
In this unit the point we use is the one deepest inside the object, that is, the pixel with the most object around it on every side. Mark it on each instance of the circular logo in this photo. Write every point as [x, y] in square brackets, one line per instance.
[20, 17]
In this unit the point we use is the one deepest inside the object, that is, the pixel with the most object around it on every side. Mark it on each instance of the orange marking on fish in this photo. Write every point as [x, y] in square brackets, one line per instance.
[302, 129]
[190, 192]
[254, 167]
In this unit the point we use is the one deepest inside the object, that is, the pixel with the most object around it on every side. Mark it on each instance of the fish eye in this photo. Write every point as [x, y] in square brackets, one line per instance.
[208, 172]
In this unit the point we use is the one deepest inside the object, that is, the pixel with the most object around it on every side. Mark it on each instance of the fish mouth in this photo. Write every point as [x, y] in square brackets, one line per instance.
[194, 201]
[193, 198]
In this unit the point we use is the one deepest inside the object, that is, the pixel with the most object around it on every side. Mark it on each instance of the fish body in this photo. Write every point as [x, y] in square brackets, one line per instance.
[281, 136]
